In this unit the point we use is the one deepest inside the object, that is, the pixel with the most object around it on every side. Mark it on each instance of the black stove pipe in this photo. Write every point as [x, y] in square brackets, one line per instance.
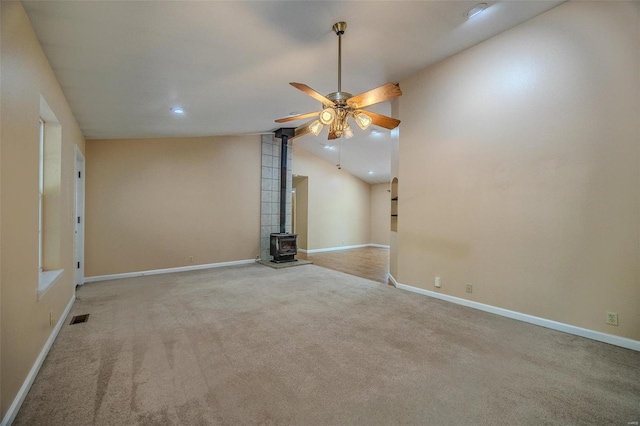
[283, 183]
[284, 134]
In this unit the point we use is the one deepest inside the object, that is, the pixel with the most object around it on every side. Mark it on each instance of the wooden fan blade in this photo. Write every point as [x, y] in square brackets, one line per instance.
[374, 96]
[309, 91]
[382, 120]
[303, 129]
[297, 117]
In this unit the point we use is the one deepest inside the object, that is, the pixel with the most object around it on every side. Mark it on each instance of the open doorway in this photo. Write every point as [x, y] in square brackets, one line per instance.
[370, 261]
[300, 209]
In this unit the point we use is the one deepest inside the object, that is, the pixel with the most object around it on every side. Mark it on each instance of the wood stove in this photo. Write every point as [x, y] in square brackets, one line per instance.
[284, 247]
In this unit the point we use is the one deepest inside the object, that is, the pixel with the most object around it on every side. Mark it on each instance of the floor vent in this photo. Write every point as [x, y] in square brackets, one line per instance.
[79, 318]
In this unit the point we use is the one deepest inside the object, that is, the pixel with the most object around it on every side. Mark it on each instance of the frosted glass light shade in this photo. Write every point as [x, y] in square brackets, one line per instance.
[362, 120]
[348, 133]
[327, 115]
[315, 127]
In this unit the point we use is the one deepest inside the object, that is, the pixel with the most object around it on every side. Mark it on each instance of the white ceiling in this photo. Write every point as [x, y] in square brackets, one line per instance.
[123, 64]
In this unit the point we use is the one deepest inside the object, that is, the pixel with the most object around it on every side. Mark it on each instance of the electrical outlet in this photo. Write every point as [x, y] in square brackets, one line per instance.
[612, 318]
[438, 282]
[469, 288]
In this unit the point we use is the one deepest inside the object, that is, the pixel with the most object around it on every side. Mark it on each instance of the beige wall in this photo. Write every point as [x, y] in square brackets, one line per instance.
[520, 169]
[301, 184]
[380, 214]
[2, 412]
[395, 165]
[154, 203]
[339, 203]
[25, 76]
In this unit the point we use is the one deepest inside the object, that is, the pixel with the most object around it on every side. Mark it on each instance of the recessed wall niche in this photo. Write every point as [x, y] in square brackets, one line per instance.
[394, 205]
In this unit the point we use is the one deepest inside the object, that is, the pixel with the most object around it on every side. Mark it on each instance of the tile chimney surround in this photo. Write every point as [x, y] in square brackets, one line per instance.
[270, 193]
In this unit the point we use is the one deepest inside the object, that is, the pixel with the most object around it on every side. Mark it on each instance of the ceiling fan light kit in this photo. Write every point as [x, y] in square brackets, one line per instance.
[338, 106]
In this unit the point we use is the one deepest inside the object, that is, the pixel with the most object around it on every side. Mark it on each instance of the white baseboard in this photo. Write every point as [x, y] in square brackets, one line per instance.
[393, 281]
[542, 322]
[26, 385]
[341, 248]
[336, 248]
[166, 270]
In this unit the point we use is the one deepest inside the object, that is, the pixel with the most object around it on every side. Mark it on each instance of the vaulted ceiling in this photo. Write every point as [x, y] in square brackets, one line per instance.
[123, 64]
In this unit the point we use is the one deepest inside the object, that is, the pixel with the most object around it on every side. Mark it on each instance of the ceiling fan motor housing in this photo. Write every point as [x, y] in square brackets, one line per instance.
[339, 98]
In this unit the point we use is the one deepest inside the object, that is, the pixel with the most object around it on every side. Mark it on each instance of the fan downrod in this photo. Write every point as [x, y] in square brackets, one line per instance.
[339, 28]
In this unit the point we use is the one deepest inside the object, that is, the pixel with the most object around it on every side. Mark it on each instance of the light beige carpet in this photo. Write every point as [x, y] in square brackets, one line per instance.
[311, 346]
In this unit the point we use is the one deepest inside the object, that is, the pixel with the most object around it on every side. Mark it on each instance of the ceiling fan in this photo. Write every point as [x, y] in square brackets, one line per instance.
[339, 106]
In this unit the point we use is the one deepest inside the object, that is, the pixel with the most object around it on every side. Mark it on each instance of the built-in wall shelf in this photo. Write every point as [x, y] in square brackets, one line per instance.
[394, 205]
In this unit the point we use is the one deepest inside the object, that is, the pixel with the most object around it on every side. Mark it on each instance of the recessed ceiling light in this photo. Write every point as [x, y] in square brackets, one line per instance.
[476, 10]
[370, 172]
[328, 147]
[177, 110]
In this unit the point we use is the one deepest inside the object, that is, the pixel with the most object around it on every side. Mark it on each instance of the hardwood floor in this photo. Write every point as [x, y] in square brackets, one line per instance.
[366, 262]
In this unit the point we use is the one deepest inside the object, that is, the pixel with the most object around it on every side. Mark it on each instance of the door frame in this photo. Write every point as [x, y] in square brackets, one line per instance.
[78, 240]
